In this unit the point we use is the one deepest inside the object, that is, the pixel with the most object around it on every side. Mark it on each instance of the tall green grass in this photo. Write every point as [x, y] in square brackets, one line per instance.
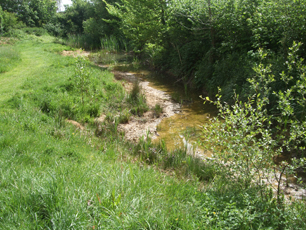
[9, 57]
[111, 44]
[82, 41]
[114, 44]
[137, 100]
[54, 176]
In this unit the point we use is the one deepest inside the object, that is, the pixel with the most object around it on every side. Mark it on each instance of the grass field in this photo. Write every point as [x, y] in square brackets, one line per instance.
[54, 176]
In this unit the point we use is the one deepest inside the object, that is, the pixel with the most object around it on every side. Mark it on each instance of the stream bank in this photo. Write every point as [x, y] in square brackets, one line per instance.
[180, 123]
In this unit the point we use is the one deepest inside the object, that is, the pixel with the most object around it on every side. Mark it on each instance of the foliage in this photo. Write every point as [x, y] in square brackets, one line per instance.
[54, 28]
[103, 26]
[74, 15]
[8, 22]
[31, 12]
[246, 138]
[85, 20]
[142, 22]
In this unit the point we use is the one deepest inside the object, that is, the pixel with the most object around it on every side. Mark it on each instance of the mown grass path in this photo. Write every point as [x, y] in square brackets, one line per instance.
[32, 63]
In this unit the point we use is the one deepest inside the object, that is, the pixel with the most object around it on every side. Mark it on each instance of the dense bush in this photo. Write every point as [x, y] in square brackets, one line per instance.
[246, 138]
[38, 31]
[55, 29]
[32, 13]
[8, 22]
[212, 44]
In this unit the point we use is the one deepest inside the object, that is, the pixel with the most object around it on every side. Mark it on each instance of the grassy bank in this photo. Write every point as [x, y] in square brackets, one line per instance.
[54, 176]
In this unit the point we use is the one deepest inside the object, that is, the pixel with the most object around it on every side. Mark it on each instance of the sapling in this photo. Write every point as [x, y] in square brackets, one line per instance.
[246, 137]
[82, 75]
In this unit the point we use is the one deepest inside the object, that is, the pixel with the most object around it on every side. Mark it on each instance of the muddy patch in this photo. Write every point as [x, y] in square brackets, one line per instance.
[76, 124]
[145, 126]
[77, 53]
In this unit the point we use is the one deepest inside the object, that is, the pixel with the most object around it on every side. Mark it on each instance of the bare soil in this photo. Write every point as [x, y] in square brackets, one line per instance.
[146, 125]
[77, 53]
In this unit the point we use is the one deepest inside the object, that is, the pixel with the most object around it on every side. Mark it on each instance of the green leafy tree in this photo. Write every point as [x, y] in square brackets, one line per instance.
[101, 24]
[9, 21]
[143, 22]
[31, 12]
[75, 15]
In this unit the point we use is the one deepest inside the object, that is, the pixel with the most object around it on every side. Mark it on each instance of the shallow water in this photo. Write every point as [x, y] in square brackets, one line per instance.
[186, 125]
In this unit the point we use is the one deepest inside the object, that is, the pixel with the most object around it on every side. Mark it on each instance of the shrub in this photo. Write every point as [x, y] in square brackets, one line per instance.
[8, 21]
[55, 29]
[246, 138]
[38, 31]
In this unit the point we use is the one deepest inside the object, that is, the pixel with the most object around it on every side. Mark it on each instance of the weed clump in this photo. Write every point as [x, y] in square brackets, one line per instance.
[177, 160]
[124, 117]
[137, 100]
[158, 110]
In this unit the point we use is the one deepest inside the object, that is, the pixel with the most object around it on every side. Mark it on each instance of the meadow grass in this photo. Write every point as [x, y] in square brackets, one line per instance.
[9, 57]
[54, 176]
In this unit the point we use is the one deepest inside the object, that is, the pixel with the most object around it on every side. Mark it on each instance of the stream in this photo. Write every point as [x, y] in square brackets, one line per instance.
[186, 125]
[183, 115]
[177, 129]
